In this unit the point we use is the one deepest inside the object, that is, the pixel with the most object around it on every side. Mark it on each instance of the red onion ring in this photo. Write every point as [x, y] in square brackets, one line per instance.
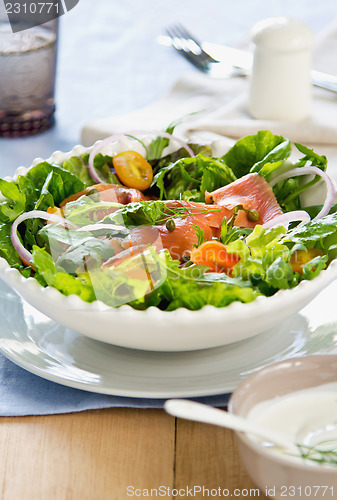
[24, 254]
[285, 219]
[331, 190]
[115, 137]
[93, 227]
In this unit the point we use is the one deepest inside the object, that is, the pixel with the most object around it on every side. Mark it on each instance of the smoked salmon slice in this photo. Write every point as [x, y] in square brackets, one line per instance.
[182, 238]
[180, 241]
[114, 193]
[252, 192]
[210, 215]
[107, 193]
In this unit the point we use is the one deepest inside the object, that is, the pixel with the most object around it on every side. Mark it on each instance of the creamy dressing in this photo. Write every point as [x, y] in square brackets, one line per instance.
[308, 417]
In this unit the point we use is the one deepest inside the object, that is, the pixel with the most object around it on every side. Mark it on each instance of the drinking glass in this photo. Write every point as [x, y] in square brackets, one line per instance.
[27, 77]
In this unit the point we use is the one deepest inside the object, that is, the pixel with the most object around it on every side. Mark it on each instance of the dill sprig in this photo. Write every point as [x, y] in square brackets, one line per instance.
[200, 235]
[320, 452]
[181, 211]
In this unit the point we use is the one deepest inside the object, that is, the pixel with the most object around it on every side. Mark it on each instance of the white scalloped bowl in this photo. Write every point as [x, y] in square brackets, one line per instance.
[156, 330]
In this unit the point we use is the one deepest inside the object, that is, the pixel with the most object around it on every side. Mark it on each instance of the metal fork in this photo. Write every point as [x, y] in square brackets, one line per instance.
[189, 47]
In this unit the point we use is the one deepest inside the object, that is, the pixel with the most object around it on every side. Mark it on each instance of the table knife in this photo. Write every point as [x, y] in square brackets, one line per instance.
[243, 60]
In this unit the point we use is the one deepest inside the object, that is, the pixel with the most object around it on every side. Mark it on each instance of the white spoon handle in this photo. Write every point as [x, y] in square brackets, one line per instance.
[202, 413]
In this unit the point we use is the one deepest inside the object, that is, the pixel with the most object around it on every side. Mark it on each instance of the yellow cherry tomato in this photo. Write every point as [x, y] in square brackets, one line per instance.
[133, 170]
[301, 257]
[56, 211]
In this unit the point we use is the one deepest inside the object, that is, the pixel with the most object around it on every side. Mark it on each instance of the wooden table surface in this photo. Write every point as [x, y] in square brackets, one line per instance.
[117, 454]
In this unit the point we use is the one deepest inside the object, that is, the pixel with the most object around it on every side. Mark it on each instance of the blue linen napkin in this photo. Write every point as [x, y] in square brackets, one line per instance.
[23, 393]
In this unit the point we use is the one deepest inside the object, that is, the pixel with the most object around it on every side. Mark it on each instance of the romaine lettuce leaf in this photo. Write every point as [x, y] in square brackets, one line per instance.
[103, 163]
[51, 178]
[138, 213]
[288, 192]
[314, 267]
[47, 273]
[15, 203]
[7, 251]
[265, 262]
[170, 286]
[189, 178]
[263, 153]
[193, 288]
[42, 186]
[320, 233]
[78, 165]
[86, 210]
[89, 253]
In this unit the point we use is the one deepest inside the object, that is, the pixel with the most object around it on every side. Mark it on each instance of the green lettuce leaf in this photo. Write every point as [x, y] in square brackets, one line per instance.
[51, 178]
[78, 165]
[157, 146]
[279, 274]
[103, 163]
[189, 178]
[288, 191]
[320, 233]
[7, 251]
[47, 273]
[193, 288]
[265, 262]
[138, 214]
[263, 152]
[314, 267]
[89, 253]
[315, 159]
[15, 203]
[87, 210]
[262, 239]
[134, 281]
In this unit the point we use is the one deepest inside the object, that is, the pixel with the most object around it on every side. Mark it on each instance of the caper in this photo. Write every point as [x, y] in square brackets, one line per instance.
[253, 215]
[170, 225]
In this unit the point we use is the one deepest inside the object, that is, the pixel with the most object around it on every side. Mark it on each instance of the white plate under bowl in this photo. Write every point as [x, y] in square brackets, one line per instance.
[153, 329]
[48, 349]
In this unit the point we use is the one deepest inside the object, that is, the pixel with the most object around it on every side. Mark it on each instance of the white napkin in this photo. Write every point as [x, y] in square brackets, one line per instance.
[220, 107]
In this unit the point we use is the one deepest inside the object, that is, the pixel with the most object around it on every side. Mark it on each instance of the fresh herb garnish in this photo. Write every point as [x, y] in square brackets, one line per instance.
[200, 235]
[182, 211]
[324, 453]
[155, 212]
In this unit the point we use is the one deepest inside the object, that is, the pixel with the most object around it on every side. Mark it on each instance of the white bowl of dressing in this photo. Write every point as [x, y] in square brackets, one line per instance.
[299, 398]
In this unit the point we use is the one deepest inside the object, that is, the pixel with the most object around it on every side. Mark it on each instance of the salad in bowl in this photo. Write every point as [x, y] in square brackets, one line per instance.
[149, 242]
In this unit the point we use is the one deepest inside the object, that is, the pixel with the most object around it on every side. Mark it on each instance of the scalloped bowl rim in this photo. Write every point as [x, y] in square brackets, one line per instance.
[235, 322]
